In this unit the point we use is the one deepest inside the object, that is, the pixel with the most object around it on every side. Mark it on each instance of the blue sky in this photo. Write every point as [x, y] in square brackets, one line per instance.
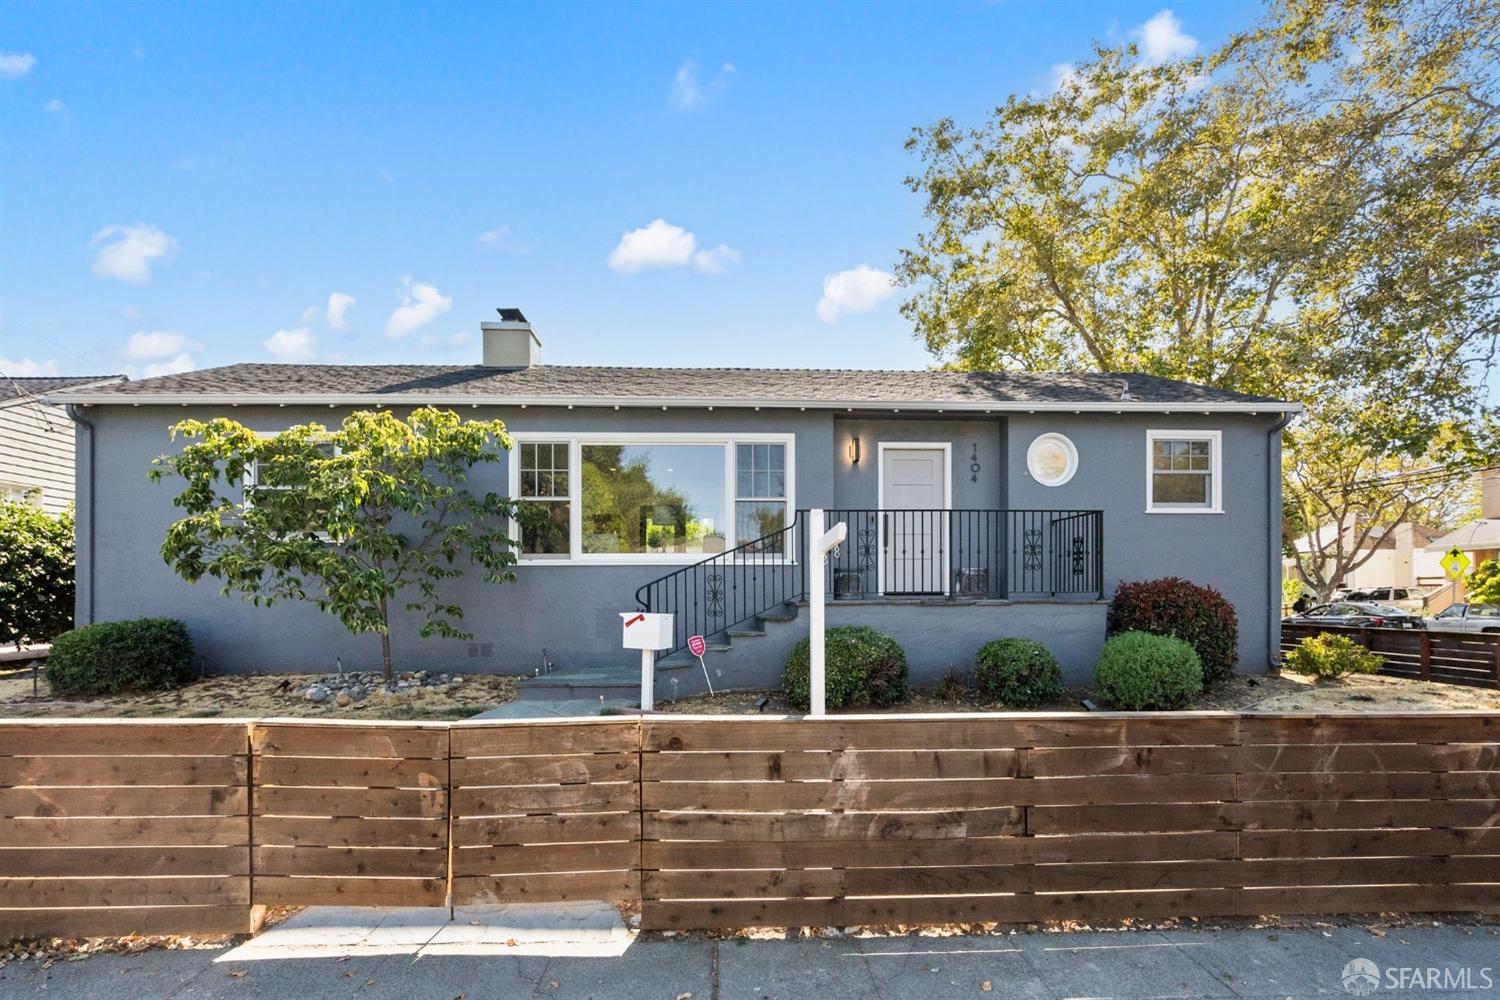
[184, 185]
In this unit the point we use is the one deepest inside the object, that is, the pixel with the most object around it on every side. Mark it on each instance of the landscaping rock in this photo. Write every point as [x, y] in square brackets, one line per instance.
[344, 699]
[318, 693]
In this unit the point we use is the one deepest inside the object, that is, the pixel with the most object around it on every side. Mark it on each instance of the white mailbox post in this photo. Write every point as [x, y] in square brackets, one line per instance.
[822, 542]
[649, 633]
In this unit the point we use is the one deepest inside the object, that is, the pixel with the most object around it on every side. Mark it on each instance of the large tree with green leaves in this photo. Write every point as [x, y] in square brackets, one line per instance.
[1309, 212]
[356, 519]
[36, 572]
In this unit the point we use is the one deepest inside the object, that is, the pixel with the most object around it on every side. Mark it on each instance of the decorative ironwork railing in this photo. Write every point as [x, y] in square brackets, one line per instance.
[969, 553]
[978, 554]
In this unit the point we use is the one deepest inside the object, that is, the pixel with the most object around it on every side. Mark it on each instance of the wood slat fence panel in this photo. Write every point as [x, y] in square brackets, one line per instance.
[1449, 657]
[1370, 813]
[351, 814]
[546, 811]
[124, 827]
[1080, 816]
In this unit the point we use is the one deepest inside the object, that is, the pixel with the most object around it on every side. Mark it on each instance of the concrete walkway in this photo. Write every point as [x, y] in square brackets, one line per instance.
[405, 956]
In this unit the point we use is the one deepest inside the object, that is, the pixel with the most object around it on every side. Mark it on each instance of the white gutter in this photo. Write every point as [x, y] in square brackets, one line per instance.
[661, 402]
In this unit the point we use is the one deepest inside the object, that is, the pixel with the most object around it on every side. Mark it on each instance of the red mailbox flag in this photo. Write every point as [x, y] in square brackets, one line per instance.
[696, 645]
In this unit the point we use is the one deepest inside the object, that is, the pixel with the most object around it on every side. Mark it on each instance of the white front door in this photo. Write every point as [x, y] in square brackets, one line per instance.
[913, 519]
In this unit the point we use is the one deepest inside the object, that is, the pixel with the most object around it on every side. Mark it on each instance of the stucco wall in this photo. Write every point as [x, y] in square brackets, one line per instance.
[570, 610]
[1231, 552]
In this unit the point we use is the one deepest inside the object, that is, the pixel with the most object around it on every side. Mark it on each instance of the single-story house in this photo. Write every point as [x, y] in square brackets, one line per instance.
[37, 440]
[979, 505]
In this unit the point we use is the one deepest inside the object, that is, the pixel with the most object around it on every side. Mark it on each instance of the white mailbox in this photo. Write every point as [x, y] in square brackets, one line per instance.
[643, 630]
[648, 633]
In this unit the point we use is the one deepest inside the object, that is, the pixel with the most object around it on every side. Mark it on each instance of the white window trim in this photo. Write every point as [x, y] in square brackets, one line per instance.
[575, 440]
[1215, 469]
[250, 483]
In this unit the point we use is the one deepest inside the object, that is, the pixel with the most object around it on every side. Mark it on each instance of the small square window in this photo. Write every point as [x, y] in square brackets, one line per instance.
[1183, 473]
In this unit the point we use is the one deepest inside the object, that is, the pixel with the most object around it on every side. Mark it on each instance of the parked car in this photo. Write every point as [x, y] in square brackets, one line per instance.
[1358, 614]
[1466, 618]
[1396, 597]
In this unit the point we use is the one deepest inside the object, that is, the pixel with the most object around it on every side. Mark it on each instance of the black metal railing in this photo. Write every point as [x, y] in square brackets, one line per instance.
[731, 588]
[954, 554]
[968, 553]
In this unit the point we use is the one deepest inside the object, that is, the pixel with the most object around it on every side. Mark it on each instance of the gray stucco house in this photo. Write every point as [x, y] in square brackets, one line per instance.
[979, 505]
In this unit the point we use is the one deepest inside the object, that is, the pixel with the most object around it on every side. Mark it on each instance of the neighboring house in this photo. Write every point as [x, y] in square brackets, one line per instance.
[979, 504]
[1396, 557]
[36, 440]
[1480, 538]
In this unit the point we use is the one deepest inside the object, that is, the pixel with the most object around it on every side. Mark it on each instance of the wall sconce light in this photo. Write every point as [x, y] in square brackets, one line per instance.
[854, 449]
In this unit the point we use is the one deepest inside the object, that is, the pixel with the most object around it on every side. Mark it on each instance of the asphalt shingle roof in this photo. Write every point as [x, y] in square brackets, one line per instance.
[475, 383]
[15, 388]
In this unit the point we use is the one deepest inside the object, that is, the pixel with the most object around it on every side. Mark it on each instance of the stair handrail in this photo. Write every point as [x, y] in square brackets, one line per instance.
[789, 556]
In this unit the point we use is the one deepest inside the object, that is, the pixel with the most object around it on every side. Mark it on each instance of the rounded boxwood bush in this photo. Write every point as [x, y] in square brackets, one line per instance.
[1017, 672]
[147, 654]
[1328, 655]
[1139, 671]
[863, 667]
[1199, 616]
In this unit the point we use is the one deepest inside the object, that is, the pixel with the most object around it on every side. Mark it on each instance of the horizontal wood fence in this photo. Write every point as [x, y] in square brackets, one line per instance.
[1448, 657]
[708, 822]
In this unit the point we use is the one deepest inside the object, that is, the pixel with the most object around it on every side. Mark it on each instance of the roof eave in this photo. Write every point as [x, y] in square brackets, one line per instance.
[670, 402]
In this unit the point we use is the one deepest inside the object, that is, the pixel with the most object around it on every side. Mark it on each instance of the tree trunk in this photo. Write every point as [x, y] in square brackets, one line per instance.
[385, 643]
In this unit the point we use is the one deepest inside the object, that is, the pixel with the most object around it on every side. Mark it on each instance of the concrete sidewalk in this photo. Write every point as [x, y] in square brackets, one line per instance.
[400, 964]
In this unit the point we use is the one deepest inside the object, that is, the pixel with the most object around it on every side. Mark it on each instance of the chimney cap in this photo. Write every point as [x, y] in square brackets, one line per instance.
[510, 314]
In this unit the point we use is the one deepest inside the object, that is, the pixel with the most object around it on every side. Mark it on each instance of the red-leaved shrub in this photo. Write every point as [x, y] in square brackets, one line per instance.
[1199, 616]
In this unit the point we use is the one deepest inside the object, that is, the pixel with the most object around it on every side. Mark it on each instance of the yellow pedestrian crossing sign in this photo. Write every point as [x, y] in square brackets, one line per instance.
[1455, 562]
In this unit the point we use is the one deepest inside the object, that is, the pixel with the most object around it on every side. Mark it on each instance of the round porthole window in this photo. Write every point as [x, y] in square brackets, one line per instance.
[1051, 459]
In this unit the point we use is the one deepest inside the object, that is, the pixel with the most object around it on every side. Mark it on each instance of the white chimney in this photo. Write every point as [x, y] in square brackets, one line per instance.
[510, 343]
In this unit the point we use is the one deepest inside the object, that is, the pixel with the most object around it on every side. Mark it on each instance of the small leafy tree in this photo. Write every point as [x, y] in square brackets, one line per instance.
[352, 519]
[36, 573]
[1484, 583]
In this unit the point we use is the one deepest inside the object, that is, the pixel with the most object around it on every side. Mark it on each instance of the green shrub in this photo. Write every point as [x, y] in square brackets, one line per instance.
[1018, 672]
[1328, 655]
[148, 654]
[1199, 616]
[863, 667]
[36, 572]
[1139, 671]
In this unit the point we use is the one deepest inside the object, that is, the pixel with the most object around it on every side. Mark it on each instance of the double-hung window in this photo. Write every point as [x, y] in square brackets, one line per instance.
[282, 474]
[760, 506]
[1183, 472]
[545, 487]
[650, 497]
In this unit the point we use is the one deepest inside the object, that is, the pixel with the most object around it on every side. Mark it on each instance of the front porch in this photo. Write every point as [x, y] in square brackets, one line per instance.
[893, 557]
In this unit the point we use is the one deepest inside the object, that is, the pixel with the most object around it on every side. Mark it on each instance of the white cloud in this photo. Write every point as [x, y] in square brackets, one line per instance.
[335, 315]
[421, 304]
[26, 367]
[128, 252]
[1162, 39]
[661, 244]
[504, 240]
[689, 93]
[131, 312]
[857, 290]
[180, 363]
[1063, 74]
[14, 65]
[715, 261]
[290, 345]
[56, 107]
[144, 345]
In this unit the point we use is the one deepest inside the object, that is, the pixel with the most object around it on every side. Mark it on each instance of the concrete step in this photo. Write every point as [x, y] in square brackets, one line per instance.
[566, 685]
[747, 631]
[550, 708]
